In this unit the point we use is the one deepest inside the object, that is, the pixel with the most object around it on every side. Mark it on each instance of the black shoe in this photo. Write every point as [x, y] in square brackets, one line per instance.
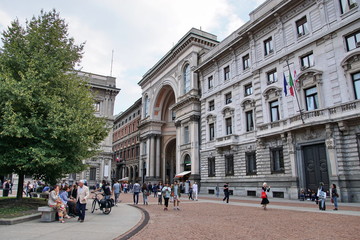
[81, 221]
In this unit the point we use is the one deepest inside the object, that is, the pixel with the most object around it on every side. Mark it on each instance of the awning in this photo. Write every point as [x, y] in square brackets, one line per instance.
[124, 179]
[182, 174]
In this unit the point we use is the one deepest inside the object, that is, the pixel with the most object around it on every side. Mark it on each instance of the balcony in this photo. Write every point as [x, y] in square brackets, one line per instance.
[227, 140]
[320, 116]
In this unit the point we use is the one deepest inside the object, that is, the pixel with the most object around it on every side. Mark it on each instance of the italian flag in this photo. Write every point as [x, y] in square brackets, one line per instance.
[291, 84]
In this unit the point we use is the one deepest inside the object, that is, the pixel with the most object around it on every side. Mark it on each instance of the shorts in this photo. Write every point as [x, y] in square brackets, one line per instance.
[176, 198]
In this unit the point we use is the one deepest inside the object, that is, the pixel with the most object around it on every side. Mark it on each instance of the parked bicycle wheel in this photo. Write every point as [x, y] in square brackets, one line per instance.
[93, 206]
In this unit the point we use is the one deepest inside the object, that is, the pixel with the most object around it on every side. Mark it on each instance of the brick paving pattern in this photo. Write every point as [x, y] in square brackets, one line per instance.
[208, 220]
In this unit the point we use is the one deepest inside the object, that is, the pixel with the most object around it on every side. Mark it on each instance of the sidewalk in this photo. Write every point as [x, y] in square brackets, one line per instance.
[96, 226]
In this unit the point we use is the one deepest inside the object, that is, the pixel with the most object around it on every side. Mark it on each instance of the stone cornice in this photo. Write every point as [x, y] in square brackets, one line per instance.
[186, 101]
[194, 36]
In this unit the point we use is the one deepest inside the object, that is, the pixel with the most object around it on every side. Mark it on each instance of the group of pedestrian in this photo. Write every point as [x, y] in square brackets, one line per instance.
[74, 197]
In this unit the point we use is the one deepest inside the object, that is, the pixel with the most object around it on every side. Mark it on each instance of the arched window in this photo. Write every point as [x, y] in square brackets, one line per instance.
[187, 163]
[146, 106]
[186, 78]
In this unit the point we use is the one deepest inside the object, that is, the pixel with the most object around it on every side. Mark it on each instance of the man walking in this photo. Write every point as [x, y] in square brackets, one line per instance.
[81, 198]
[195, 190]
[116, 192]
[226, 192]
[136, 190]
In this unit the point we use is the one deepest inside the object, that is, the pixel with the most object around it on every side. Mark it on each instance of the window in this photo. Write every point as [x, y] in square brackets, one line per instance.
[277, 160]
[312, 101]
[307, 61]
[211, 131]
[246, 61]
[250, 163]
[228, 98]
[146, 106]
[211, 166]
[301, 27]
[211, 105]
[210, 82]
[347, 5]
[173, 115]
[249, 121]
[97, 106]
[274, 111]
[356, 81]
[92, 174]
[187, 78]
[229, 165]
[268, 46]
[353, 41]
[248, 90]
[186, 135]
[228, 123]
[272, 76]
[226, 73]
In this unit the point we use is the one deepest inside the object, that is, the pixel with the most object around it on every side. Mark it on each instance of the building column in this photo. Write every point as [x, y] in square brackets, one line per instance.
[331, 149]
[101, 175]
[152, 156]
[134, 174]
[194, 129]
[158, 156]
[147, 157]
[178, 144]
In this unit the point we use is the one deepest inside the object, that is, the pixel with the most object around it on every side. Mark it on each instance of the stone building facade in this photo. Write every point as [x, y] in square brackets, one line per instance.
[251, 132]
[126, 144]
[105, 91]
[170, 122]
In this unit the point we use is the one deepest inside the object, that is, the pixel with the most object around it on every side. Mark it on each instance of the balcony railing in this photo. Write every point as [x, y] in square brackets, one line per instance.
[227, 140]
[339, 112]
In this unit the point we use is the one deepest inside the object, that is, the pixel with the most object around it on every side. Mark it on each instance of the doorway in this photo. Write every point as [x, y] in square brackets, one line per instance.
[170, 161]
[316, 167]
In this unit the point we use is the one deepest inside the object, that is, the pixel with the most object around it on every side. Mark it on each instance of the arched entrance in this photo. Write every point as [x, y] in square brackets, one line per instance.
[170, 161]
[187, 163]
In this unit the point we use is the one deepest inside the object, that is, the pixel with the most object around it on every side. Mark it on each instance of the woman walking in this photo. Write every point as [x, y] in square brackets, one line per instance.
[265, 201]
[146, 193]
[334, 196]
[166, 191]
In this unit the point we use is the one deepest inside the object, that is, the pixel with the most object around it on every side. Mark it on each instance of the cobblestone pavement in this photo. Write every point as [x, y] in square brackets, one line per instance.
[210, 218]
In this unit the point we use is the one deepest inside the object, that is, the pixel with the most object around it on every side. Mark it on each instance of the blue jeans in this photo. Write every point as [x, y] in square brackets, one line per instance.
[136, 197]
[335, 199]
[81, 210]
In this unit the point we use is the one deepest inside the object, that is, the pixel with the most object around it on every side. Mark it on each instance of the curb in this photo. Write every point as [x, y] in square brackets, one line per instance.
[138, 227]
[12, 221]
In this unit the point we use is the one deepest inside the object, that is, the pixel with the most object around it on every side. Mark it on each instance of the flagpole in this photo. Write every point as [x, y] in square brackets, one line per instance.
[297, 100]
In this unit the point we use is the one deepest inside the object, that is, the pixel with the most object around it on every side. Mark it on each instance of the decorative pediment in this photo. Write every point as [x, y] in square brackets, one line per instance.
[228, 111]
[247, 103]
[352, 61]
[210, 118]
[309, 77]
[272, 92]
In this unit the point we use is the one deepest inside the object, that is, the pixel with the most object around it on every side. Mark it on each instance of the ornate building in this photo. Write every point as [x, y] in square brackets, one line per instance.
[170, 127]
[104, 88]
[251, 132]
[126, 144]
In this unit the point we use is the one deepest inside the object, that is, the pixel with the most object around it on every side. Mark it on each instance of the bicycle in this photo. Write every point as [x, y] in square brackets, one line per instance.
[104, 210]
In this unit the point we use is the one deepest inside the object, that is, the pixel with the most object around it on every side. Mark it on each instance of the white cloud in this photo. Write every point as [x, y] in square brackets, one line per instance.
[139, 31]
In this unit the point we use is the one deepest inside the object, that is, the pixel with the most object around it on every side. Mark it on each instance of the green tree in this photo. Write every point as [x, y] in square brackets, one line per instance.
[47, 121]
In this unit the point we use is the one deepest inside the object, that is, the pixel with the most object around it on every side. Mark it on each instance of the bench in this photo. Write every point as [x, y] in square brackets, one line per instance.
[47, 214]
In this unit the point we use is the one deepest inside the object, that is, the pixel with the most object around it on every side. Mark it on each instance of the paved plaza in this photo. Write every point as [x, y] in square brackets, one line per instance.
[208, 218]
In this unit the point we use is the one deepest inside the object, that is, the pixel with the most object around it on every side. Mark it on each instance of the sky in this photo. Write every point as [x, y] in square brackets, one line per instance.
[137, 32]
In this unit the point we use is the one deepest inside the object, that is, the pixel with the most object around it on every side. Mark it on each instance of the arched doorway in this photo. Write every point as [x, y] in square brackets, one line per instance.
[187, 163]
[170, 161]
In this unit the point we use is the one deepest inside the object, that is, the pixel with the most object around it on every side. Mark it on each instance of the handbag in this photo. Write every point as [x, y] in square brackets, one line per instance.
[263, 194]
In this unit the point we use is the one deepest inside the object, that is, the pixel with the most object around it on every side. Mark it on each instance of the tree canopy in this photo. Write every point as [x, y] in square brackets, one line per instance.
[47, 121]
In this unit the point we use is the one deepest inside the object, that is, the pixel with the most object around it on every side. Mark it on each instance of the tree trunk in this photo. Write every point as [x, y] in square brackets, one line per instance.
[20, 189]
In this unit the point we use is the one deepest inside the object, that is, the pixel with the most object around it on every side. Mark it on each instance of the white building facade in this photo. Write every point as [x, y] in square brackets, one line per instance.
[252, 133]
[170, 122]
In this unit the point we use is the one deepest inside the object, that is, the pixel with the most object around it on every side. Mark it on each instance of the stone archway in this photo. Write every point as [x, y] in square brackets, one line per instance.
[170, 161]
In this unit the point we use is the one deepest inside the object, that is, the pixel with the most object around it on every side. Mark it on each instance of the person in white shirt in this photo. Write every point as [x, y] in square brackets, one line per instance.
[195, 190]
